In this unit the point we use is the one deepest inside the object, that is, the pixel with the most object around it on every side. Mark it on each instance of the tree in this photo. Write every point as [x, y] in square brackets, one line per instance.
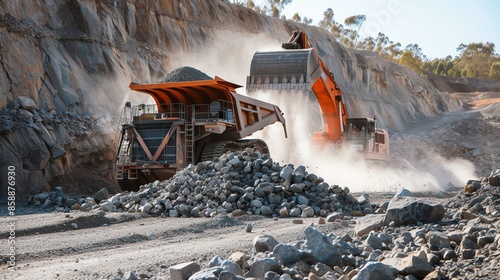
[357, 21]
[327, 20]
[440, 70]
[408, 59]
[495, 71]
[270, 7]
[307, 21]
[477, 58]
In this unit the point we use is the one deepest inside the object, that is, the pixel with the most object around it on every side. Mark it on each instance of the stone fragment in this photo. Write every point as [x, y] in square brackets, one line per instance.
[238, 257]
[376, 271]
[295, 212]
[261, 267]
[320, 269]
[264, 243]
[494, 178]
[130, 275]
[226, 275]
[368, 223]
[411, 265]
[286, 254]
[216, 261]
[437, 240]
[266, 210]
[321, 247]
[232, 267]
[106, 206]
[26, 103]
[206, 274]
[183, 271]
[102, 194]
[373, 241]
[403, 192]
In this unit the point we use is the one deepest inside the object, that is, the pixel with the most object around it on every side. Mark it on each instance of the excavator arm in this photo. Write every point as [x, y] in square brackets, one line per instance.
[298, 67]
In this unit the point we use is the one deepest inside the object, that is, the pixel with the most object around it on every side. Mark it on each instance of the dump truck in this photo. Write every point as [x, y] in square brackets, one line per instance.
[298, 67]
[191, 121]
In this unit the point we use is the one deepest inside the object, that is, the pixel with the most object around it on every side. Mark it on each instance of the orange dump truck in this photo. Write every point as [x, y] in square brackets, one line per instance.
[191, 121]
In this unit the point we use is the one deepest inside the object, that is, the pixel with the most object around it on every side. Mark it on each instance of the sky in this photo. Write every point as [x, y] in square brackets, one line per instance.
[437, 26]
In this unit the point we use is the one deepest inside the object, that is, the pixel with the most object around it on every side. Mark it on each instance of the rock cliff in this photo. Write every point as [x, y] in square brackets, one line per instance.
[66, 66]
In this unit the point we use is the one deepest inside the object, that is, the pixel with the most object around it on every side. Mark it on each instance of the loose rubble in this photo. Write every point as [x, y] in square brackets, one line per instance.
[451, 248]
[404, 238]
[236, 184]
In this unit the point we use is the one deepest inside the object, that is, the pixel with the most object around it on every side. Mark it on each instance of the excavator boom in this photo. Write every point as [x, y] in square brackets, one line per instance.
[298, 67]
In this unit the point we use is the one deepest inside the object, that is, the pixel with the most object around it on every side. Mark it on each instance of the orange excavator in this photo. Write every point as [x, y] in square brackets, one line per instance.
[298, 67]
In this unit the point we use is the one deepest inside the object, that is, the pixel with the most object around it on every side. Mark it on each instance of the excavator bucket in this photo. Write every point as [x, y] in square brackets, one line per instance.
[284, 70]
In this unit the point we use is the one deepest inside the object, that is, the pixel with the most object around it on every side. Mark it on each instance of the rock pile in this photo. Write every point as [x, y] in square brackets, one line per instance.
[236, 184]
[184, 74]
[457, 247]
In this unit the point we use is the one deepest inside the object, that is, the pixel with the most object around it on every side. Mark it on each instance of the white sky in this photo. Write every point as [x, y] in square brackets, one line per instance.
[437, 26]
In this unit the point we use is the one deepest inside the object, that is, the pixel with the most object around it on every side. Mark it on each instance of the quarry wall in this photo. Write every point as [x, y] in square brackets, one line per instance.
[66, 66]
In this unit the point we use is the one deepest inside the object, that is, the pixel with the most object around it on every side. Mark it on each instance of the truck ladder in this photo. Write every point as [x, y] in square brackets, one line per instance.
[119, 172]
[189, 129]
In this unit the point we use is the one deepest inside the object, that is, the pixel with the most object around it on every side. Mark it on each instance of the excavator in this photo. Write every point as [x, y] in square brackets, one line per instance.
[191, 121]
[298, 67]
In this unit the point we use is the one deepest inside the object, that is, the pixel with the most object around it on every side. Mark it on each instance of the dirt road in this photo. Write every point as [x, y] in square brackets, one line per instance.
[48, 247]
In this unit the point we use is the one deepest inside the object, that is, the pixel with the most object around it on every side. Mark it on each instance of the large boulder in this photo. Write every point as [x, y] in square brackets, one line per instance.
[321, 247]
[286, 254]
[183, 271]
[407, 210]
[368, 223]
[411, 265]
[261, 267]
[264, 243]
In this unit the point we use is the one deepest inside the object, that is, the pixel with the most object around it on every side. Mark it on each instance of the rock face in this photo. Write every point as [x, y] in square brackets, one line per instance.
[78, 57]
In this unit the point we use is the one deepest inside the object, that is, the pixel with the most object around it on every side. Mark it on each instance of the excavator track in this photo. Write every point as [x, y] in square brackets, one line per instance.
[215, 149]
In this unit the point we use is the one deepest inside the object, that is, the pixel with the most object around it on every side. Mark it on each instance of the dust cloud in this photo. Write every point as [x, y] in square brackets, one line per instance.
[229, 57]
[417, 170]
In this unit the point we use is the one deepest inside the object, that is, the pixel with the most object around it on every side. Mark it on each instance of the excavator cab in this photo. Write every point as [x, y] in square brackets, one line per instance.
[362, 135]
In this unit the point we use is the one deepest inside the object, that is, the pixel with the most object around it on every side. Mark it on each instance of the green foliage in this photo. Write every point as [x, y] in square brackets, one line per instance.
[495, 71]
[410, 60]
[356, 20]
[476, 60]
[440, 69]
[270, 7]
